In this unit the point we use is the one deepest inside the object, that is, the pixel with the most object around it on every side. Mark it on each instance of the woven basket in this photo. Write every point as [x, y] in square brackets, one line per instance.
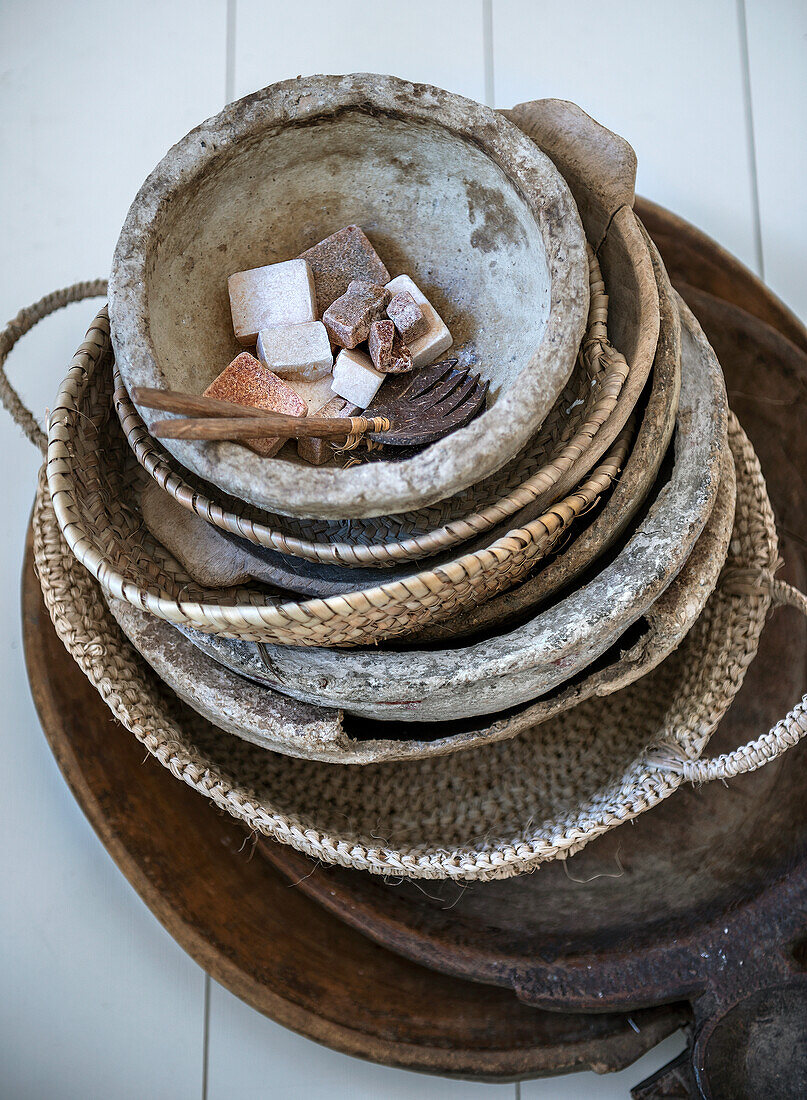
[94, 479]
[586, 403]
[496, 811]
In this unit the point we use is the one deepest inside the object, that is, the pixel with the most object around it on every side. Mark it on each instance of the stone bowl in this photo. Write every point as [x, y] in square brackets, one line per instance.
[448, 190]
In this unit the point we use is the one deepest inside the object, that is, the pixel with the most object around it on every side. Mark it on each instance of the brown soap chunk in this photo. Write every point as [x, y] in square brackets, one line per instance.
[407, 315]
[340, 258]
[379, 344]
[247, 382]
[348, 319]
[316, 451]
[401, 356]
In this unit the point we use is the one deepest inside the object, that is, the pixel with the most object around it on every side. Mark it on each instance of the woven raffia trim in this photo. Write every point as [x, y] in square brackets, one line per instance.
[586, 403]
[486, 813]
[95, 480]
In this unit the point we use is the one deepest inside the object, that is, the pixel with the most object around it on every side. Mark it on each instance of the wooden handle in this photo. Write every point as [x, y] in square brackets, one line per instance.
[190, 404]
[271, 425]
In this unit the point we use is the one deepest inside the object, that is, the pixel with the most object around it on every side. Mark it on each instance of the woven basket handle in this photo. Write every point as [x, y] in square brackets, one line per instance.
[784, 735]
[14, 330]
[598, 165]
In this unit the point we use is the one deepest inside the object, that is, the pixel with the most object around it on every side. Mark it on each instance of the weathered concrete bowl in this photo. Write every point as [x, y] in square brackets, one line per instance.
[448, 191]
[506, 670]
[256, 713]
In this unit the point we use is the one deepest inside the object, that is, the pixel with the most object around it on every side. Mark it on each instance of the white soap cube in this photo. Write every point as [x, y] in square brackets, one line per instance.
[265, 297]
[437, 339]
[355, 378]
[315, 394]
[296, 352]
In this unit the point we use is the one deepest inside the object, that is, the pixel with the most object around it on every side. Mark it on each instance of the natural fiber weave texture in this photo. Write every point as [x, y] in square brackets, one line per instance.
[587, 401]
[488, 813]
[94, 482]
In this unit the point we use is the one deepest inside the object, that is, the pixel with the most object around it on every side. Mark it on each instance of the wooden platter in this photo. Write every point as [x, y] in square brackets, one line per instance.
[273, 947]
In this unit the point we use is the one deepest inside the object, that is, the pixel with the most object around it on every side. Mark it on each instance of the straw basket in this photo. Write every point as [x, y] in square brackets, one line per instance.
[505, 808]
[588, 400]
[93, 480]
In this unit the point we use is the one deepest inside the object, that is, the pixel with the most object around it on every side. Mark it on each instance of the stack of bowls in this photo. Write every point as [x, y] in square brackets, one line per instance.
[558, 547]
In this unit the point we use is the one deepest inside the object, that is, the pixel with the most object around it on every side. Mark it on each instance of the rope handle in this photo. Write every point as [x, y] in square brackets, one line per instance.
[783, 736]
[17, 328]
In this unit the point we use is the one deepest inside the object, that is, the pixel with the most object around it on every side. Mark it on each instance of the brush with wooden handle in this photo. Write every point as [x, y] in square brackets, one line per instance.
[409, 410]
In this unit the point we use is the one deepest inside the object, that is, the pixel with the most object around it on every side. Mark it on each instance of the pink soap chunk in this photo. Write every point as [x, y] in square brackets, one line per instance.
[407, 315]
[316, 451]
[338, 260]
[247, 382]
[349, 318]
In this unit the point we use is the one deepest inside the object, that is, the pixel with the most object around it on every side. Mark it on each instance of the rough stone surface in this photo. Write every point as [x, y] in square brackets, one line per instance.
[349, 318]
[296, 352]
[338, 260]
[316, 451]
[232, 703]
[436, 340]
[355, 378]
[341, 146]
[502, 671]
[407, 316]
[247, 382]
[277, 294]
[315, 394]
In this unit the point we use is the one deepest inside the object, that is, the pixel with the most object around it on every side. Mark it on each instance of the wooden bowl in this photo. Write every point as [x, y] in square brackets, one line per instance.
[448, 190]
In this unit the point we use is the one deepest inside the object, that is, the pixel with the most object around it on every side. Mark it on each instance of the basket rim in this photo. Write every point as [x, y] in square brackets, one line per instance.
[451, 463]
[90, 358]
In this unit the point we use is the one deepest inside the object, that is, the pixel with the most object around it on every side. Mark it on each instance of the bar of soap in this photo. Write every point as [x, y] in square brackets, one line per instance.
[437, 339]
[388, 352]
[349, 318]
[338, 260]
[247, 382]
[355, 378]
[407, 315]
[314, 394]
[297, 352]
[316, 450]
[265, 297]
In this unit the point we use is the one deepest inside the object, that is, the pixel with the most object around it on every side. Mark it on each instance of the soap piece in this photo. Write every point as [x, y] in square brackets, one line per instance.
[348, 319]
[379, 344]
[355, 378]
[265, 297]
[408, 316]
[247, 382]
[437, 339]
[387, 350]
[316, 451]
[296, 352]
[338, 260]
[315, 394]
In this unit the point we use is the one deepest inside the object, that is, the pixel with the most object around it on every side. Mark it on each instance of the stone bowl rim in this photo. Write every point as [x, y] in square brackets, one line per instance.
[451, 464]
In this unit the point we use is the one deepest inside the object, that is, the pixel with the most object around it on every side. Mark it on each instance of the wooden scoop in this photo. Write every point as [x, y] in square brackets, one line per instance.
[416, 408]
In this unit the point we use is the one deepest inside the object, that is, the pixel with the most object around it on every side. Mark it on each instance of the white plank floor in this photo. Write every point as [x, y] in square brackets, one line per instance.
[97, 1001]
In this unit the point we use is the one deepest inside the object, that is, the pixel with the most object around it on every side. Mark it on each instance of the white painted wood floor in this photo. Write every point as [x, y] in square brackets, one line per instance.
[96, 1000]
